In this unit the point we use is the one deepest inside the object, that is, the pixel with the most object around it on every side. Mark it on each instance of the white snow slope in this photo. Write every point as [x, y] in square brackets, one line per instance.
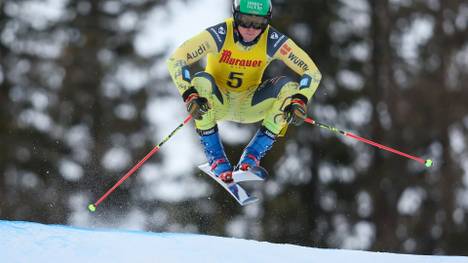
[25, 242]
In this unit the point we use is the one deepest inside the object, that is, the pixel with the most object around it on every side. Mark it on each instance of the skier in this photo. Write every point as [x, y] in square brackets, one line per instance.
[230, 89]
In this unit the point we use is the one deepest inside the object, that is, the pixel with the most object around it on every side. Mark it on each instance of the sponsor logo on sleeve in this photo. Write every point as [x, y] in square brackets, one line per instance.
[285, 49]
[221, 30]
[280, 39]
[297, 61]
[274, 35]
[215, 32]
[198, 52]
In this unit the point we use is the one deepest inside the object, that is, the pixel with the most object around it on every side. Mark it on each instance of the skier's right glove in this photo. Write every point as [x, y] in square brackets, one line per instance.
[197, 106]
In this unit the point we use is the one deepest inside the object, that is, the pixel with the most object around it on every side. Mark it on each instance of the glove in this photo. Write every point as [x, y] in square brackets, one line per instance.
[296, 112]
[197, 106]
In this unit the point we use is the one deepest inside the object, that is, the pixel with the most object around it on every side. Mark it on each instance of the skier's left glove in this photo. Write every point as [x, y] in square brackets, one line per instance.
[296, 112]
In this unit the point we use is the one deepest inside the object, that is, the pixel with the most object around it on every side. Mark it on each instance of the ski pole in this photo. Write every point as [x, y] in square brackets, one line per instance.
[92, 207]
[427, 162]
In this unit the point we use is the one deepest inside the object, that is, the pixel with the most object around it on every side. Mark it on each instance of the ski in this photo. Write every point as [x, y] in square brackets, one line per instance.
[236, 191]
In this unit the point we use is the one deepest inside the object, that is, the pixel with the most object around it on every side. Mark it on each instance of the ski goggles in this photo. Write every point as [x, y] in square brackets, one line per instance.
[251, 21]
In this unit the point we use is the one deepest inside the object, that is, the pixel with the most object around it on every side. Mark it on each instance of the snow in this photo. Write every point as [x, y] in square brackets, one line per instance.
[32, 242]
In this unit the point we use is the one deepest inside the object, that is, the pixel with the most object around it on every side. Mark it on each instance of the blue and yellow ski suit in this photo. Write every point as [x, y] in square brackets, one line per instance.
[232, 79]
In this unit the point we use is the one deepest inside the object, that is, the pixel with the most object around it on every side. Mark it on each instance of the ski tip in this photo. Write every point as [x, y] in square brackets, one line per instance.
[203, 166]
[260, 172]
[250, 200]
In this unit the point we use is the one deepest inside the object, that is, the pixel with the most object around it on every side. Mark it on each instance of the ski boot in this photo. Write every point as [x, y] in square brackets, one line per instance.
[215, 154]
[256, 150]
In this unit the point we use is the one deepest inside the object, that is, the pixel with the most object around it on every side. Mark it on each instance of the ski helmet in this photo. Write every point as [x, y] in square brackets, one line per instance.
[257, 8]
[253, 7]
